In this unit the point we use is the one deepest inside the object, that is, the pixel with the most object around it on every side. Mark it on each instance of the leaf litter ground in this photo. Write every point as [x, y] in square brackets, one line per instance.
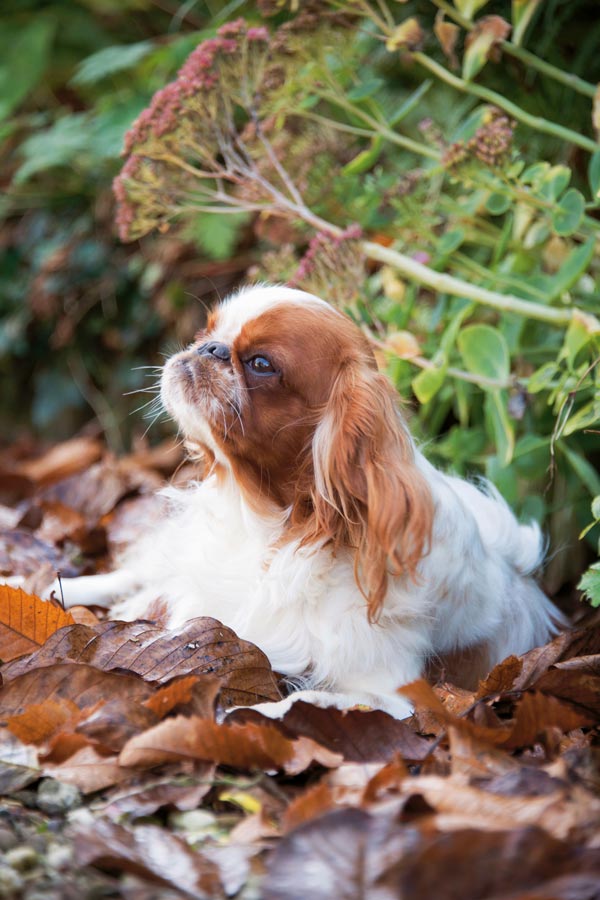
[125, 772]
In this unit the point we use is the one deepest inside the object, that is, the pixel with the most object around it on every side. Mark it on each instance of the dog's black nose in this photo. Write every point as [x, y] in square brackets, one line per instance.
[214, 348]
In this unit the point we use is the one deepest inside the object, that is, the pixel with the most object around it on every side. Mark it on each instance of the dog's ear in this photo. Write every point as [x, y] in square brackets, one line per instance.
[368, 491]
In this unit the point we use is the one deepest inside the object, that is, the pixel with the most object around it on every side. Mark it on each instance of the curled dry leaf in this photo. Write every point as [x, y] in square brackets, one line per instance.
[241, 746]
[26, 622]
[203, 646]
[18, 763]
[88, 770]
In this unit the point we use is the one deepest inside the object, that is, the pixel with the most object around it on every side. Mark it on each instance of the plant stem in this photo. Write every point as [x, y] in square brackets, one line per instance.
[535, 122]
[530, 59]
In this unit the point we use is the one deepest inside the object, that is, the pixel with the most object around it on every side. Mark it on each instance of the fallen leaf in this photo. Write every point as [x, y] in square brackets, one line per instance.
[146, 792]
[151, 853]
[313, 802]
[131, 519]
[502, 677]
[360, 736]
[240, 746]
[190, 693]
[22, 553]
[565, 811]
[62, 460]
[202, 646]
[18, 763]
[93, 492]
[81, 684]
[40, 721]
[88, 770]
[26, 622]
[349, 854]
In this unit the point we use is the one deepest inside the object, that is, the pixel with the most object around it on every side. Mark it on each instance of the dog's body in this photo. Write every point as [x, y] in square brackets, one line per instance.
[321, 533]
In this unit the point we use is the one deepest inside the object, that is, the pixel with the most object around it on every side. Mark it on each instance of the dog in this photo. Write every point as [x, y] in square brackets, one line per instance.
[321, 533]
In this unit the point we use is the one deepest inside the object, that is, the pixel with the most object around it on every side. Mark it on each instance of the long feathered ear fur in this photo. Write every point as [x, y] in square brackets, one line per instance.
[368, 492]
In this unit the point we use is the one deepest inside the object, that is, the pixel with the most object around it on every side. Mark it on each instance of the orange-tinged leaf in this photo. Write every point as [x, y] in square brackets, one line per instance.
[178, 692]
[315, 801]
[62, 460]
[241, 746]
[26, 622]
[40, 721]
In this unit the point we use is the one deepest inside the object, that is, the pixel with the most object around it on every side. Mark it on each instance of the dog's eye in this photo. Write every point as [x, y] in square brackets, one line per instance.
[260, 365]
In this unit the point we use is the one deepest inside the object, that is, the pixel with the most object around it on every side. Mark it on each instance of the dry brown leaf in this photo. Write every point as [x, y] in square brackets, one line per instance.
[183, 692]
[22, 553]
[315, 801]
[62, 460]
[360, 736]
[388, 778]
[131, 519]
[114, 722]
[60, 522]
[537, 712]
[83, 685]
[502, 677]
[93, 492]
[26, 622]
[447, 34]
[350, 854]
[203, 646]
[149, 852]
[88, 770]
[40, 721]
[18, 763]
[240, 746]
[183, 788]
[459, 805]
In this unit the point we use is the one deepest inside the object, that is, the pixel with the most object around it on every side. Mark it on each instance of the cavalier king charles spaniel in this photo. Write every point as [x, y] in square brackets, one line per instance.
[320, 532]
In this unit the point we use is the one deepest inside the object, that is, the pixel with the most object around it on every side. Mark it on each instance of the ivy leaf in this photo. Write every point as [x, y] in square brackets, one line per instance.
[567, 216]
[109, 61]
[485, 352]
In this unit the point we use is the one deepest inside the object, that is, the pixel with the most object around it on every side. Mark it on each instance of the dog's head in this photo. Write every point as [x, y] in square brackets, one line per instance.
[283, 394]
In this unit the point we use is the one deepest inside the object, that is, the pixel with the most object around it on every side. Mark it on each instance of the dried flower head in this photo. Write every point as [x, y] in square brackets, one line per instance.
[491, 144]
[333, 266]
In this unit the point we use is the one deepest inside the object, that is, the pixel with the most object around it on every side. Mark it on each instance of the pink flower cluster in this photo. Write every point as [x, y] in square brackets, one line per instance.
[199, 74]
[125, 209]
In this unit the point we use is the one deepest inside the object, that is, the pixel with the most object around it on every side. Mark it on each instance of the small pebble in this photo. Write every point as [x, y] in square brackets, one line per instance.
[23, 858]
[58, 856]
[56, 797]
[10, 882]
[8, 838]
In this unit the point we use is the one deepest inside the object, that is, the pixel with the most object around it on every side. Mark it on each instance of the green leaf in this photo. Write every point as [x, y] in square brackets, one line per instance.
[366, 89]
[572, 269]
[216, 233]
[409, 104]
[487, 32]
[109, 61]
[553, 182]
[502, 426]
[59, 145]
[468, 8]
[485, 352]
[450, 241]
[543, 378]
[580, 332]
[586, 417]
[427, 383]
[596, 508]
[590, 584]
[522, 11]
[24, 56]
[582, 468]
[366, 159]
[567, 216]
[497, 204]
[594, 175]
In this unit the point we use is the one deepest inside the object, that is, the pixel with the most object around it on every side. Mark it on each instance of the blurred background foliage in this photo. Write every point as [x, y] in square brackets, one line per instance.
[459, 135]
